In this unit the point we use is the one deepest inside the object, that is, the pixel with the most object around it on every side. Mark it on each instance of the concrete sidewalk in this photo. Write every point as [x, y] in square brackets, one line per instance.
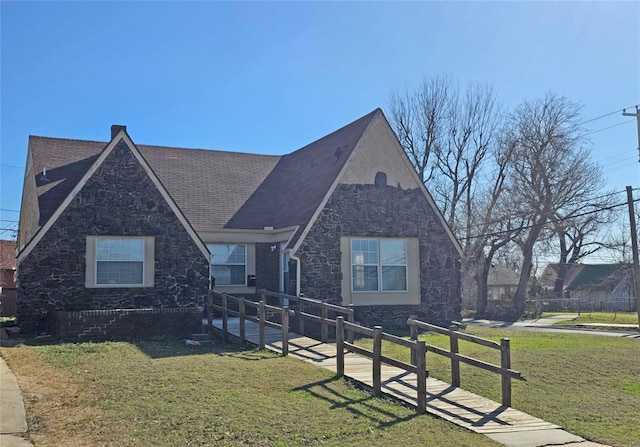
[547, 324]
[13, 420]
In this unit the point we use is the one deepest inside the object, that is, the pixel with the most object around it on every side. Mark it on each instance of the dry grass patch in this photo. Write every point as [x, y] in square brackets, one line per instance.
[60, 410]
[168, 394]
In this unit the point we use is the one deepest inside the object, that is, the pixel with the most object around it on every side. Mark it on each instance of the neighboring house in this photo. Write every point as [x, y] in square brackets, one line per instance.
[7, 278]
[549, 276]
[345, 219]
[594, 286]
[502, 283]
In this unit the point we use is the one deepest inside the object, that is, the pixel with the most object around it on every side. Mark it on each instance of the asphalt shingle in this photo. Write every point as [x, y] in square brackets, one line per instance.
[214, 189]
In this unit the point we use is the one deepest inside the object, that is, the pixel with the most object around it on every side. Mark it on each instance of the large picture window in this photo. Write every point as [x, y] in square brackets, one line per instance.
[229, 264]
[119, 261]
[379, 265]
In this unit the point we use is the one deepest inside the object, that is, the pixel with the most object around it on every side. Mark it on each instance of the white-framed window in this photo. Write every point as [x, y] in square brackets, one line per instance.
[379, 265]
[119, 261]
[229, 264]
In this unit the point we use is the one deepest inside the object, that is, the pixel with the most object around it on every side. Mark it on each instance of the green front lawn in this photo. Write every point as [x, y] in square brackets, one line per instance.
[169, 394]
[589, 385]
[602, 318]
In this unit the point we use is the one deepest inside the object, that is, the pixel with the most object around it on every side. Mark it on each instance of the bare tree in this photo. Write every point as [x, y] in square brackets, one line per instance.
[551, 170]
[496, 225]
[450, 135]
[579, 234]
[418, 118]
[447, 135]
[471, 130]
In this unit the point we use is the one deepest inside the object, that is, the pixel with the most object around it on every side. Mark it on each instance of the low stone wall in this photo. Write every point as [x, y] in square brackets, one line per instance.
[125, 324]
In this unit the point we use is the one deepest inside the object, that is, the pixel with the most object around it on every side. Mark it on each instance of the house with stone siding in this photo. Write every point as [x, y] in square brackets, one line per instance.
[117, 225]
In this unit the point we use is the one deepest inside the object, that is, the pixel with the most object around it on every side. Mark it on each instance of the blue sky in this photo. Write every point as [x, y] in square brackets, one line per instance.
[269, 77]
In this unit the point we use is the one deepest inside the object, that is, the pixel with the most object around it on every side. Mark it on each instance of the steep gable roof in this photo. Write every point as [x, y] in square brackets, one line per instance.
[598, 276]
[78, 183]
[296, 186]
[59, 164]
[208, 186]
[549, 276]
[214, 189]
[217, 189]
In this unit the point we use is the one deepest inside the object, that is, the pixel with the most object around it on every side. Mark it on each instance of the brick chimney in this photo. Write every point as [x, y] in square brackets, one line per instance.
[115, 128]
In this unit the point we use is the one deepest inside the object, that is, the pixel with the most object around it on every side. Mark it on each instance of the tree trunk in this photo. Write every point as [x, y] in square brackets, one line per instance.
[561, 278]
[527, 264]
[483, 287]
[563, 268]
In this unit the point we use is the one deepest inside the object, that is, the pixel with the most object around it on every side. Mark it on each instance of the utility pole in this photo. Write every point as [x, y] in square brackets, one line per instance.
[632, 224]
[634, 250]
[637, 115]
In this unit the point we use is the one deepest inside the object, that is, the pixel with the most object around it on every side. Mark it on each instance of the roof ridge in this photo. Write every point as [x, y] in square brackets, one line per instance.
[220, 151]
[79, 140]
[369, 116]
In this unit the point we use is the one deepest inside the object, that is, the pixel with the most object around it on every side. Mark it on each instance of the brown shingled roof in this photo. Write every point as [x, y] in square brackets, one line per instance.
[65, 161]
[208, 186]
[214, 189]
[299, 182]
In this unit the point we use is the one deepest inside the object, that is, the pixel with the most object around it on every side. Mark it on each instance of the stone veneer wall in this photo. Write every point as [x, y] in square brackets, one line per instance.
[383, 211]
[267, 266]
[119, 199]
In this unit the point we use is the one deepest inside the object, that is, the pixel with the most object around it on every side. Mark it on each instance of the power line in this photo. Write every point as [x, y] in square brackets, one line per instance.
[585, 200]
[548, 221]
[10, 211]
[11, 166]
[605, 115]
[608, 127]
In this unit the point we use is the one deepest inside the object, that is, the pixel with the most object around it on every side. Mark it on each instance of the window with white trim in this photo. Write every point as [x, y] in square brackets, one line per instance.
[229, 264]
[120, 261]
[379, 265]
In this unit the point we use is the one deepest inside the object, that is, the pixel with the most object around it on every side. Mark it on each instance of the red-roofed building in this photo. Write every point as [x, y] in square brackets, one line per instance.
[112, 225]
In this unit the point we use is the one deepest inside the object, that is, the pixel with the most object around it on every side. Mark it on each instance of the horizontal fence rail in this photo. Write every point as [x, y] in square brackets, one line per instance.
[417, 367]
[280, 306]
[504, 369]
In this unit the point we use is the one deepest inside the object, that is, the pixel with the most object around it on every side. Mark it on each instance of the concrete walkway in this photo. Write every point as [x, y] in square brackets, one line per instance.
[13, 420]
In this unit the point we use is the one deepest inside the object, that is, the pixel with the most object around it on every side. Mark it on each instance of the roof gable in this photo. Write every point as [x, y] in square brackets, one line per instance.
[225, 190]
[189, 175]
[378, 148]
[300, 181]
[598, 276]
[502, 276]
[549, 275]
[120, 137]
[59, 164]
